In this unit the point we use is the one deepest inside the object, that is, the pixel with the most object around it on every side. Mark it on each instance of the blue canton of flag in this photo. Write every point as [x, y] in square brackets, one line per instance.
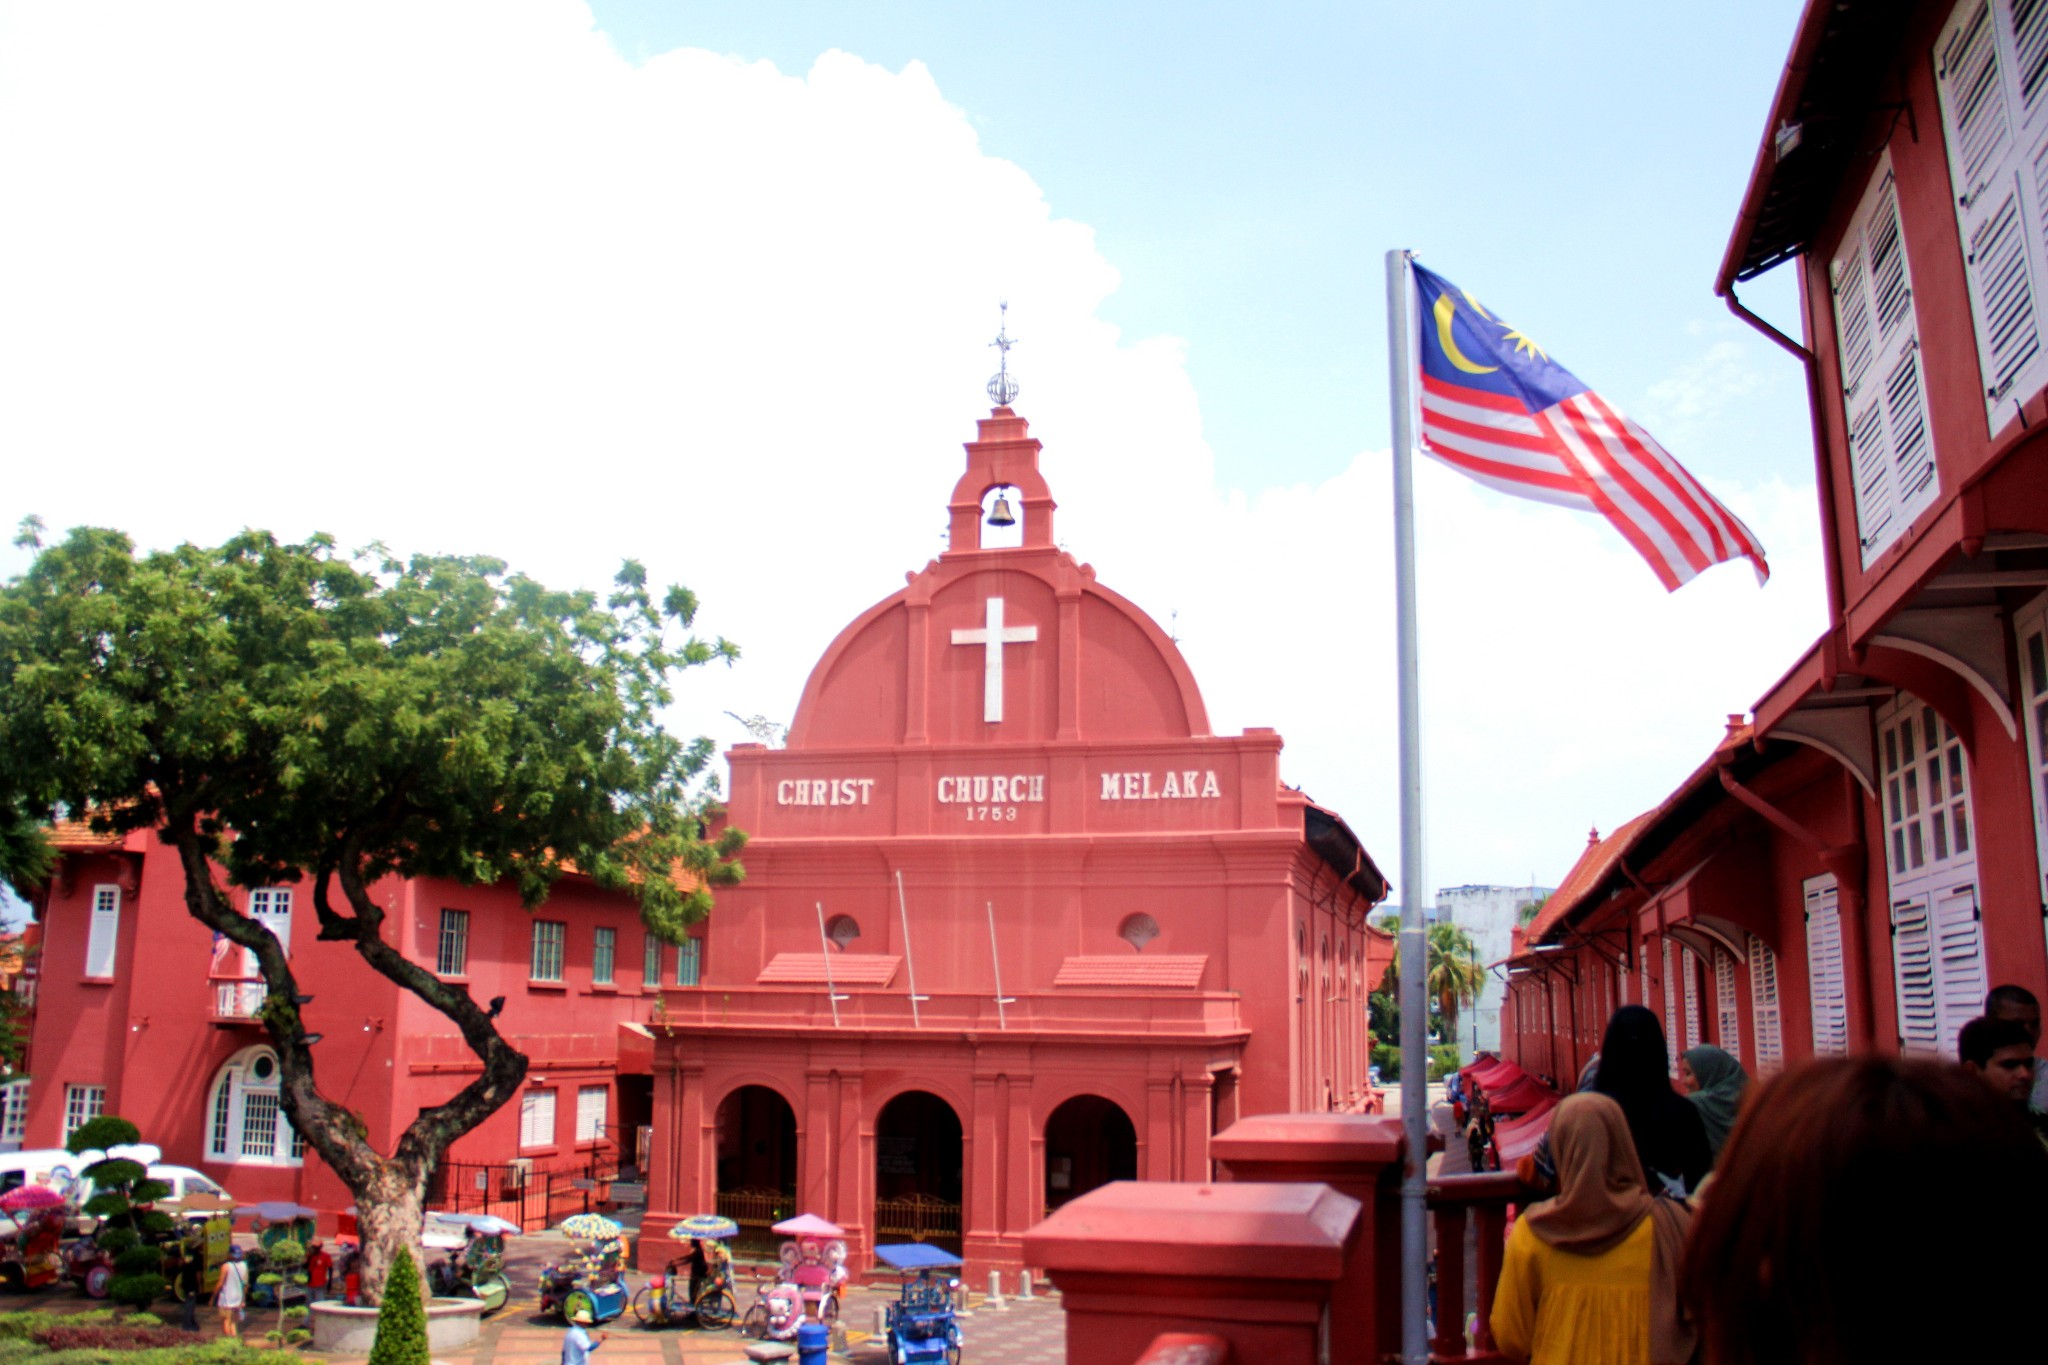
[1498, 409]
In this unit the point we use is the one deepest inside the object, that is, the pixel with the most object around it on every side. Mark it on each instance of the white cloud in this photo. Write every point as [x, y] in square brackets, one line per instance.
[460, 278]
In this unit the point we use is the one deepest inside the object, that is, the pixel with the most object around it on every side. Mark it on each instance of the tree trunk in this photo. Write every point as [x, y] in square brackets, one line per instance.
[390, 1214]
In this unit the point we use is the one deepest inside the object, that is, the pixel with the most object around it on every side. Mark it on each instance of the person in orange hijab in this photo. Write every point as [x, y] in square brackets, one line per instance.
[1591, 1277]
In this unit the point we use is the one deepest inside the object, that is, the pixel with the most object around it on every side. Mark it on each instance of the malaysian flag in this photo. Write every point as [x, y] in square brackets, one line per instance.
[1496, 407]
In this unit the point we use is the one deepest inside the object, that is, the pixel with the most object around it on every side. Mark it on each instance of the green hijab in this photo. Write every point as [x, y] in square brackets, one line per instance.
[1722, 1081]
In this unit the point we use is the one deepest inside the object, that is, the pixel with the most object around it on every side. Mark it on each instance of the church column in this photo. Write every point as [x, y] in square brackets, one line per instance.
[982, 1216]
[814, 1141]
[1197, 1086]
[1023, 1157]
[1160, 1156]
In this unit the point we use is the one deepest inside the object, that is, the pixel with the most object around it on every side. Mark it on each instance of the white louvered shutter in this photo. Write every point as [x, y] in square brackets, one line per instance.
[1690, 966]
[1764, 1010]
[1891, 451]
[1727, 1010]
[1913, 976]
[104, 933]
[1991, 68]
[1959, 955]
[1671, 1024]
[1827, 987]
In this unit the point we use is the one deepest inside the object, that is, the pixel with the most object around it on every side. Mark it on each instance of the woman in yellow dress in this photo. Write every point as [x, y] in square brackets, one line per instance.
[1591, 1276]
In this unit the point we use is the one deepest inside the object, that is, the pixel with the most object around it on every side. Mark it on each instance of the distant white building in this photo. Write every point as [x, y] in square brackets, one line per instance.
[1489, 914]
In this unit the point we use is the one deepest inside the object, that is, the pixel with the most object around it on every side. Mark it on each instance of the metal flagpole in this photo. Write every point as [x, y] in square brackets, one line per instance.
[909, 970]
[825, 947]
[995, 954]
[1413, 958]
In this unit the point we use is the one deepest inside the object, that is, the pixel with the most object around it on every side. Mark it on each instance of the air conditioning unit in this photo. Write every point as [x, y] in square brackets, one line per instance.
[516, 1172]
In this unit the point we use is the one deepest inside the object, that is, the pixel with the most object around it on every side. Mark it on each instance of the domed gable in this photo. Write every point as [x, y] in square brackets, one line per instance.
[1009, 645]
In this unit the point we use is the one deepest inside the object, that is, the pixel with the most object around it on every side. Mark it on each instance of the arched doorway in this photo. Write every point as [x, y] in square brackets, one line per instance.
[1089, 1141]
[756, 1163]
[918, 1170]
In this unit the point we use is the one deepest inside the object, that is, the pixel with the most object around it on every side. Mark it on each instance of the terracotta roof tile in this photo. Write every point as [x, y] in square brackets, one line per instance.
[848, 969]
[78, 836]
[1124, 970]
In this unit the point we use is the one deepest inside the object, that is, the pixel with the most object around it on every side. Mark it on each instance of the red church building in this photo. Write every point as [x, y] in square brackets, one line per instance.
[1016, 922]
[140, 1012]
[1862, 856]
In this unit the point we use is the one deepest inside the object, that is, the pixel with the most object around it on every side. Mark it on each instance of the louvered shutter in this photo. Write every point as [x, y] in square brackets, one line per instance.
[1913, 976]
[1690, 966]
[1727, 1011]
[104, 933]
[1670, 1007]
[1826, 986]
[1960, 983]
[1764, 1008]
[1891, 452]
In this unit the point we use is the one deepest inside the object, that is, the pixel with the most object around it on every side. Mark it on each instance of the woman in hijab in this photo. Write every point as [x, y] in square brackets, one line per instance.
[1591, 1277]
[1670, 1135]
[1714, 1082]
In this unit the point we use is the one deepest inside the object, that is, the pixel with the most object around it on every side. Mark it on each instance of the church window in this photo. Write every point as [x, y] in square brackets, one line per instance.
[247, 1122]
[1138, 930]
[842, 930]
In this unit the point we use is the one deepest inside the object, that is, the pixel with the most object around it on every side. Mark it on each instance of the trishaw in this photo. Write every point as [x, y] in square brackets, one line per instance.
[30, 1258]
[277, 1221]
[474, 1267]
[922, 1329]
[593, 1281]
[205, 1233]
[697, 1285]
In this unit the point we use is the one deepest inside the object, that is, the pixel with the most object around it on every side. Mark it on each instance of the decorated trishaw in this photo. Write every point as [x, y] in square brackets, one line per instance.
[809, 1282]
[593, 1279]
[31, 1257]
[277, 1264]
[205, 1231]
[474, 1264]
[697, 1284]
[921, 1326]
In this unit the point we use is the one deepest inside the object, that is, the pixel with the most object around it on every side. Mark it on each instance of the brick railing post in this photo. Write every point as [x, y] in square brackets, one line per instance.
[1252, 1264]
[1359, 1155]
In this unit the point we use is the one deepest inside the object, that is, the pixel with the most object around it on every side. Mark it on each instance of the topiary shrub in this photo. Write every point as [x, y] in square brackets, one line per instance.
[402, 1317]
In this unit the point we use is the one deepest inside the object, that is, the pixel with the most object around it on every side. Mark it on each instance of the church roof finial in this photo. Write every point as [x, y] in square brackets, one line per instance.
[1002, 387]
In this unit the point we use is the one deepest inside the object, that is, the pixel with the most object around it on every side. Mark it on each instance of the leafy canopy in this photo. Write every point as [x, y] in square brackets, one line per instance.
[435, 716]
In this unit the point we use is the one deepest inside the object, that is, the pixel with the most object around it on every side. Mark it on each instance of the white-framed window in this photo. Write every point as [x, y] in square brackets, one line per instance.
[82, 1104]
[246, 1123]
[603, 948]
[1988, 68]
[536, 1119]
[451, 957]
[104, 933]
[13, 1111]
[549, 936]
[1727, 1009]
[1827, 987]
[689, 959]
[650, 962]
[271, 907]
[590, 1111]
[1926, 796]
[2033, 642]
[1884, 393]
[1764, 1009]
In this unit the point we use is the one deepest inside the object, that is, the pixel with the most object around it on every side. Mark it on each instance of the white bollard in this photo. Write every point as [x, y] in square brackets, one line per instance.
[995, 1289]
[1024, 1285]
[881, 1322]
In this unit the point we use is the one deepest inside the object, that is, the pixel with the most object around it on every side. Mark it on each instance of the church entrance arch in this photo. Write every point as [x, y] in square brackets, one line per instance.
[1089, 1141]
[756, 1163]
[918, 1169]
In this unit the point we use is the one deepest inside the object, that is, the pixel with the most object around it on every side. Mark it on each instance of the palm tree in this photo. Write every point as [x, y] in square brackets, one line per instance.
[1454, 974]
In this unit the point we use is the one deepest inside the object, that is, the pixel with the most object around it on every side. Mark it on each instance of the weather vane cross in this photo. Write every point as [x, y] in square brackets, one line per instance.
[1002, 388]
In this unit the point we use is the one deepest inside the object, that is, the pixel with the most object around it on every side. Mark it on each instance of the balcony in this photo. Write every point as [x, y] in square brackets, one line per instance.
[236, 999]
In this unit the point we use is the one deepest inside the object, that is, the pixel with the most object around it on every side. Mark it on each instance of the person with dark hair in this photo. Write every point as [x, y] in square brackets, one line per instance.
[1714, 1082]
[1670, 1137]
[2018, 1004]
[1999, 1051]
[1860, 1205]
[1591, 1276]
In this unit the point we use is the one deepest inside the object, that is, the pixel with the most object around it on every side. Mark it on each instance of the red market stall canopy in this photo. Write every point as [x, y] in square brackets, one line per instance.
[1519, 1096]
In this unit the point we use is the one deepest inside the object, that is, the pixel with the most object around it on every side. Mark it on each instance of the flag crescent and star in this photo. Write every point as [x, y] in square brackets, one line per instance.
[1498, 409]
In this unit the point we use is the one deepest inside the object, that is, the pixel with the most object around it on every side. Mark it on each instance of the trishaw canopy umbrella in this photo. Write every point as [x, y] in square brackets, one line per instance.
[808, 1225]
[917, 1256]
[199, 1201]
[30, 1197]
[593, 1227]
[713, 1225]
[485, 1224]
[276, 1211]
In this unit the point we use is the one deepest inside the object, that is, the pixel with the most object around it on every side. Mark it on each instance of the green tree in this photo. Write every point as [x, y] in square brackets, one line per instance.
[126, 1231]
[401, 1317]
[1526, 916]
[1453, 975]
[280, 712]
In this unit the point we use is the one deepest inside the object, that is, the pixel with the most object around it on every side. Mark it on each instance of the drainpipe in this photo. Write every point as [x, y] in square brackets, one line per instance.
[1847, 862]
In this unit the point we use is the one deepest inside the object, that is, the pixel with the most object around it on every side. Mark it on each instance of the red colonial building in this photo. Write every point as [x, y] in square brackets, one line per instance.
[1862, 857]
[1016, 923]
[140, 1012]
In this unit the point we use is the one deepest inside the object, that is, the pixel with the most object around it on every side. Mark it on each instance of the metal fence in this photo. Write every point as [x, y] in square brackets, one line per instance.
[920, 1217]
[532, 1194]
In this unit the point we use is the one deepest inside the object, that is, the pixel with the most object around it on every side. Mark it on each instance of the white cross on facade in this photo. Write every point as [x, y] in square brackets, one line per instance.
[992, 638]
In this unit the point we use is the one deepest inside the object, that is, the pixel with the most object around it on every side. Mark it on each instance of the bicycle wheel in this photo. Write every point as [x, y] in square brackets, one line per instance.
[755, 1323]
[715, 1309]
[644, 1307]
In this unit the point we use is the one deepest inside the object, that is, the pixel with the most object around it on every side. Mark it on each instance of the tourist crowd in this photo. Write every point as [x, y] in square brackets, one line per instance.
[1849, 1210]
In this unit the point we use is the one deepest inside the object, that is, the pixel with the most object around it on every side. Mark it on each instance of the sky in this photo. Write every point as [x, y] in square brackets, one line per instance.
[710, 285]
